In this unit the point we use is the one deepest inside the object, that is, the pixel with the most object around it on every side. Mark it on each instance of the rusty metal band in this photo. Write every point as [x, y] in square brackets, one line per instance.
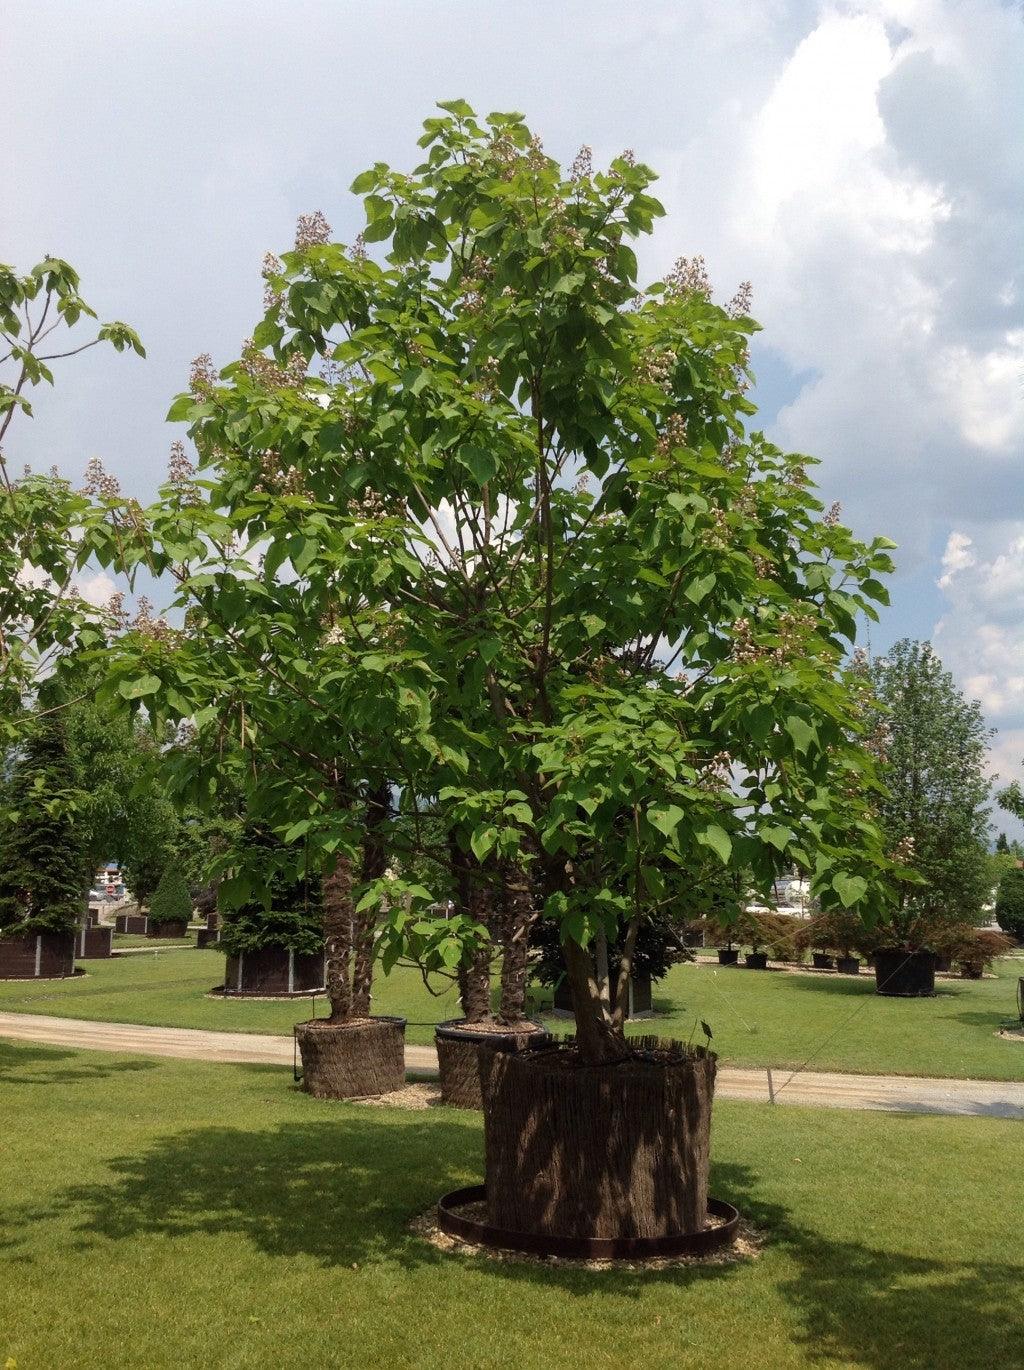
[456, 1224]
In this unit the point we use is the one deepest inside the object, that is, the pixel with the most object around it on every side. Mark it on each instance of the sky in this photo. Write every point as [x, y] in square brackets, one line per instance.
[860, 163]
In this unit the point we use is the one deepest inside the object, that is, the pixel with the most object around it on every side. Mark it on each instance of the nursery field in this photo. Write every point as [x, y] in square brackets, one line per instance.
[193, 1214]
[758, 1017]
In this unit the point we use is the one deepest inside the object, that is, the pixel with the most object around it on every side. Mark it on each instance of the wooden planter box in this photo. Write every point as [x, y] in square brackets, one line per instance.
[173, 929]
[640, 998]
[213, 921]
[136, 923]
[652, 1182]
[37, 955]
[207, 937]
[94, 943]
[274, 970]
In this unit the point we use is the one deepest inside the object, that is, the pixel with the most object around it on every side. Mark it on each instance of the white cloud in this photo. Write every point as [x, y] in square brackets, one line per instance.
[96, 589]
[956, 557]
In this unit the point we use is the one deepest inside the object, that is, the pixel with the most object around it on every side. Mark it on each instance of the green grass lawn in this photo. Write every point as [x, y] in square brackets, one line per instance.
[138, 939]
[165, 1214]
[758, 1017]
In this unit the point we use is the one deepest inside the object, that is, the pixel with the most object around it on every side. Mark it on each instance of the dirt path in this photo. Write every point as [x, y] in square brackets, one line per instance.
[895, 1093]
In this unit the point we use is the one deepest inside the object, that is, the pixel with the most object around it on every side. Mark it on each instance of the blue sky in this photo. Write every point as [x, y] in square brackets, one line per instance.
[860, 162]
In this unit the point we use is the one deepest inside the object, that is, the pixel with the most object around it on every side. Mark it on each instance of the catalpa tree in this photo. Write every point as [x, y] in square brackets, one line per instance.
[42, 617]
[625, 613]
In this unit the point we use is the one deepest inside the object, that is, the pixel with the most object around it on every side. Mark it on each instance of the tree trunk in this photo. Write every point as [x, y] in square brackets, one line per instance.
[378, 807]
[600, 1039]
[474, 974]
[519, 911]
[337, 896]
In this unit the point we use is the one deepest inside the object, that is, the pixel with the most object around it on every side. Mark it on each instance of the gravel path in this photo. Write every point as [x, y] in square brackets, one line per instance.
[895, 1093]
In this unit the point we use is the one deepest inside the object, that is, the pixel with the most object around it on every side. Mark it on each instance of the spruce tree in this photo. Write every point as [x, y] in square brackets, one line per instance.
[171, 902]
[43, 863]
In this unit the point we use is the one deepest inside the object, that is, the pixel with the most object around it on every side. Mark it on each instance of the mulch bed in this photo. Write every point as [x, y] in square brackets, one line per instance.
[413, 1098]
[747, 1246]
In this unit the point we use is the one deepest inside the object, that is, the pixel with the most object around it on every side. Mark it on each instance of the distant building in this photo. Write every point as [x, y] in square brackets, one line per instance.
[108, 883]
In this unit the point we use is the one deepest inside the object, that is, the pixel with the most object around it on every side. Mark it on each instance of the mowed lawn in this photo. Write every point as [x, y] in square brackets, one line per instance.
[167, 1214]
[757, 1017]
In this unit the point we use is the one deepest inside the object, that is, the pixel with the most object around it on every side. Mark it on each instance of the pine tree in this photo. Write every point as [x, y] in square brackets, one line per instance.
[171, 901]
[43, 863]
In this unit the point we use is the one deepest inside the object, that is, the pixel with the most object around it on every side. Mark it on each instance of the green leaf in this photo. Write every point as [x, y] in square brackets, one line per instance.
[778, 836]
[718, 840]
[850, 888]
[700, 588]
[379, 229]
[483, 841]
[137, 689]
[457, 107]
[666, 818]
[478, 461]
[800, 731]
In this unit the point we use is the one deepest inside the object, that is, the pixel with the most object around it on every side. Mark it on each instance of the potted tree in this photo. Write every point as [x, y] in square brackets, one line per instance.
[849, 939]
[496, 906]
[660, 944]
[1010, 902]
[624, 771]
[932, 745]
[274, 939]
[530, 477]
[42, 858]
[170, 909]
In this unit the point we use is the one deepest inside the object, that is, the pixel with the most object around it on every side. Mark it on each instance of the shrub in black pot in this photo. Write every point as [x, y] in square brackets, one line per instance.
[848, 965]
[660, 945]
[728, 956]
[756, 960]
[904, 974]
[1010, 903]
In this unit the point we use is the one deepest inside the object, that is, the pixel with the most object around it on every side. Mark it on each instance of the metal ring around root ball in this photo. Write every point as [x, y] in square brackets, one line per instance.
[583, 1248]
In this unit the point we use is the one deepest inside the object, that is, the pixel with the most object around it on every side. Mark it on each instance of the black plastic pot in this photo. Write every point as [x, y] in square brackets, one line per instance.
[820, 961]
[904, 974]
[848, 965]
[728, 956]
[757, 960]
[942, 963]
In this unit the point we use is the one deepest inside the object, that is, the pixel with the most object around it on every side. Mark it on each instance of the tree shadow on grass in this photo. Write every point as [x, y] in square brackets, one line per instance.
[16, 1061]
[341, 1190]
[867, 1307]
[852, 986]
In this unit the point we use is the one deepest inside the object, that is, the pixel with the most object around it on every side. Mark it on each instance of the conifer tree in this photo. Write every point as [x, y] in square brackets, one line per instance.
[171, 901]
[43, 866]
